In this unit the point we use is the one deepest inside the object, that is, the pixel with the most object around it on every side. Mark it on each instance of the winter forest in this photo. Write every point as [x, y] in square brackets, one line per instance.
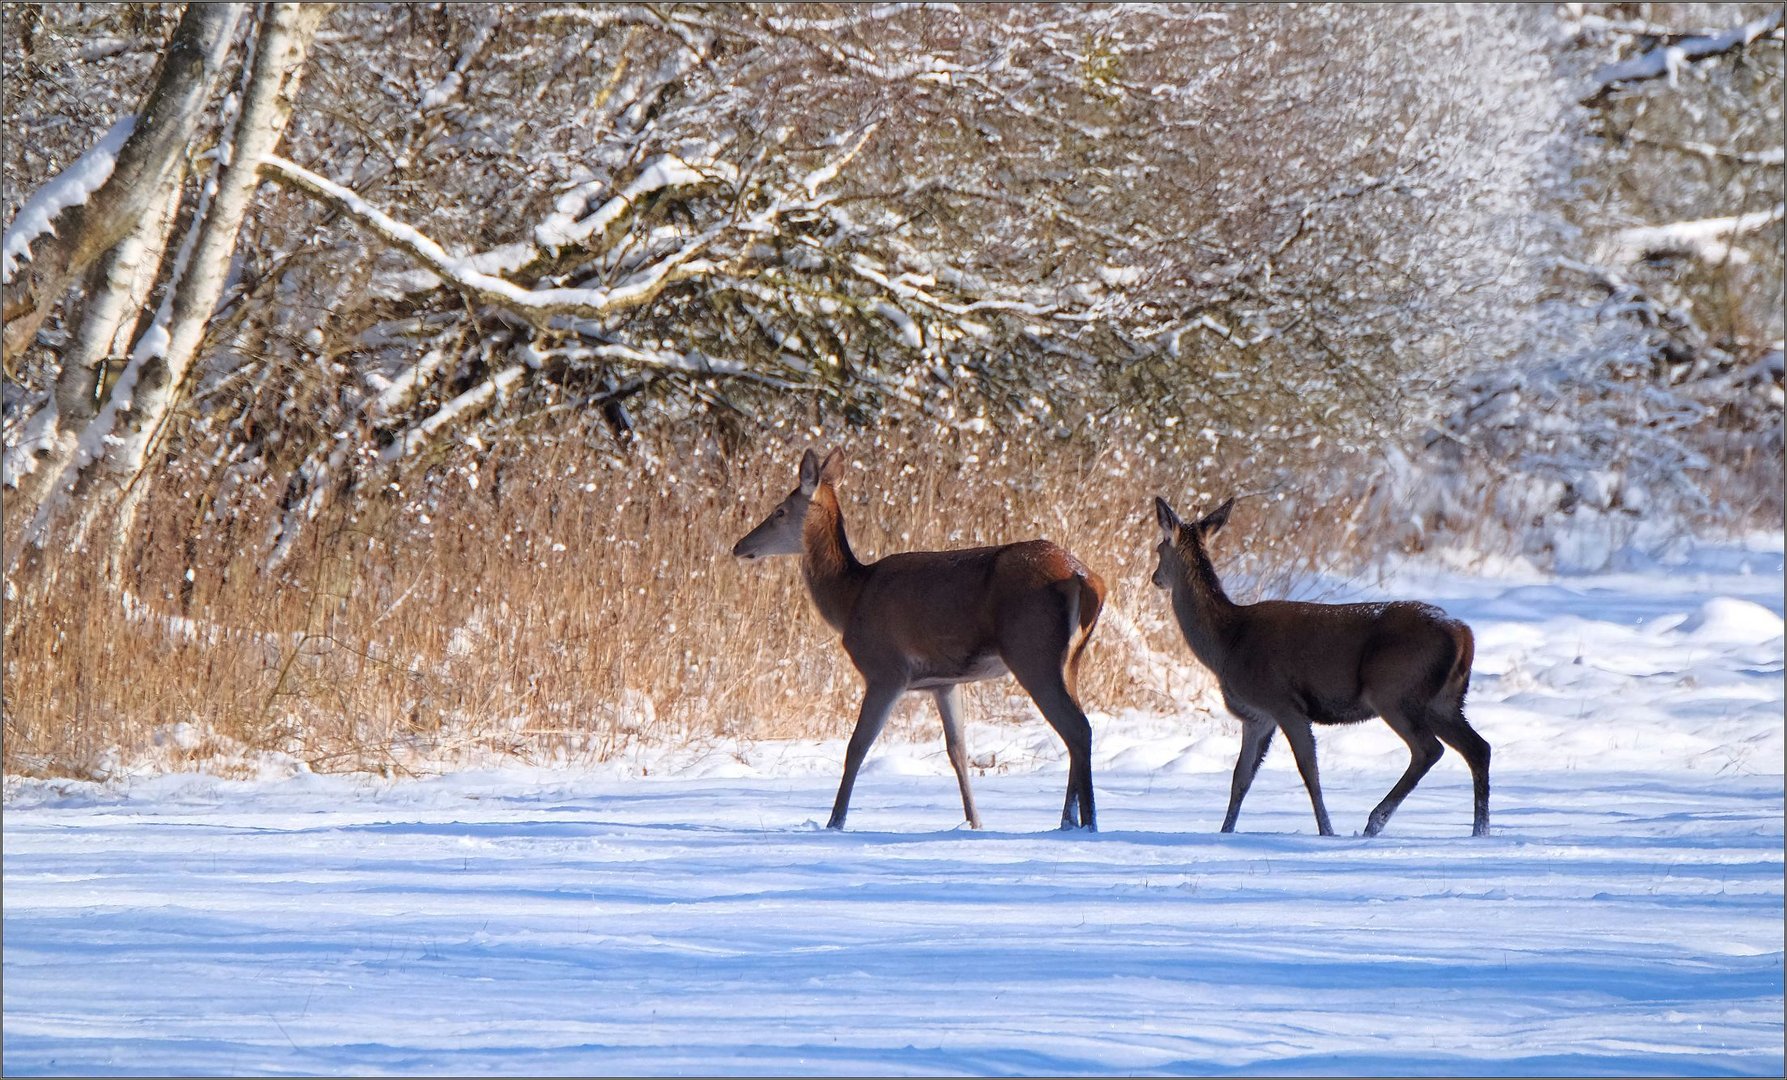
[423, 361]
[386, 386]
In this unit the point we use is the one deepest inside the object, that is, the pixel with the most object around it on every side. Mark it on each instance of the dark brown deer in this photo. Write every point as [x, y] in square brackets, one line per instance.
[932, 620]
[1287, 665]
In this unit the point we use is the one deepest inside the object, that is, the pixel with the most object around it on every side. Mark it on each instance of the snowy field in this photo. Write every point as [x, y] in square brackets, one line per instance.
[1624, 916]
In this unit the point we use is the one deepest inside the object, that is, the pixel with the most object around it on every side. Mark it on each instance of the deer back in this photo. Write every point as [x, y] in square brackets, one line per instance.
[945, 612]
[1343, 662]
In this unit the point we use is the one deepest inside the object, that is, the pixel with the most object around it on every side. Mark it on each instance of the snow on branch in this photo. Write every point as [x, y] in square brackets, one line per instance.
[70, 187]
[453, 83]
[1710, 240]
[826, 173]
[470, 401]
[562, 229]
[1667, 59]
[1774, 155]
[660, 361]
[783, 24]
[539, 306]
[906, 290]
[38, 438]
[536, 305]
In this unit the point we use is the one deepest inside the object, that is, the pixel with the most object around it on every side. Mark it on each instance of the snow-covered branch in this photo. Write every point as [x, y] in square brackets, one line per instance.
[1667, 59]
[71, 187]
[120, 182]
[564, 228]
[536, 305]
[478, 397]
[1711, 240]
[1773, 155]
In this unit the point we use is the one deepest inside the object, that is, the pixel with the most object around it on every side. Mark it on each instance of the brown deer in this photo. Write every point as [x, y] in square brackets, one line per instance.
[932, 620]
[1287, 665]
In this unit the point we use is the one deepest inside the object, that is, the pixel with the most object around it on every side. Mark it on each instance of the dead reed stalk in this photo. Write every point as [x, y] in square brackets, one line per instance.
[566, 604]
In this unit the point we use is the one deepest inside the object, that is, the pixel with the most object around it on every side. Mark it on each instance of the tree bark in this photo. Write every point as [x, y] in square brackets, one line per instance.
[120, 289]
[146, 163]
[284, 41]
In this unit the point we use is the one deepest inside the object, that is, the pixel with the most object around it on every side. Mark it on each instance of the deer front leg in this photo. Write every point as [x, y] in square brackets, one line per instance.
[877, 703]
[949, 707]
[1256, 738]
[1297, 732]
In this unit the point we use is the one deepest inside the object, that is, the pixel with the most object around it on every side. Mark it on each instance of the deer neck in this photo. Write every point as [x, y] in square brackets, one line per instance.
[834, 576]
[1206, 614]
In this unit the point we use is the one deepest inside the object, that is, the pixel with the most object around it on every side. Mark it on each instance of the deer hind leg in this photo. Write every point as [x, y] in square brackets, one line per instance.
[1297, 732]
[1256, 739]
[877, 704]
[1449, 724]
[1424, 750]
[1034, 639]
[949, 707]
[1049, 691]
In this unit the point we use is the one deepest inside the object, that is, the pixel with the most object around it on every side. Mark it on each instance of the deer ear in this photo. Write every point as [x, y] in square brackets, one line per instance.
[809, 473]
[1216, 519]
[1169, 521]
[833, 469]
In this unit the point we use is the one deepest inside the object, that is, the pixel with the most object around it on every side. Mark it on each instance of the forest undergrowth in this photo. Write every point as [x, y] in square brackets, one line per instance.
[556, 600]
[392, 400]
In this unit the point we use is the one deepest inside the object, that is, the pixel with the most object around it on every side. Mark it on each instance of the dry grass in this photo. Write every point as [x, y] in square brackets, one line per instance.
[560, 605]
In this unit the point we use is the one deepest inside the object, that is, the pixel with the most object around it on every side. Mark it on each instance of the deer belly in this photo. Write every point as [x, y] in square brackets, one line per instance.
[930, 674]
[1336, 710]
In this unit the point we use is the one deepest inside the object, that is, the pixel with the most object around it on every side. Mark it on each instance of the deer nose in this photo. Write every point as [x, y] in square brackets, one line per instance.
[738, 549]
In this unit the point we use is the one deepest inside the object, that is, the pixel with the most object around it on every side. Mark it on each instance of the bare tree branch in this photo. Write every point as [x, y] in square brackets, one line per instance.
[538, 306]
[1710, 240]
[1665, 59]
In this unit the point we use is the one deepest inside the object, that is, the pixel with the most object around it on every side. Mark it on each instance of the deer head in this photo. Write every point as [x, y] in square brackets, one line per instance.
[782, 531]
[1182, 545]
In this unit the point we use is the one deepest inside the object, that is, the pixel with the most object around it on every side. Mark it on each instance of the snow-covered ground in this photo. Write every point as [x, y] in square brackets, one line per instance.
[1625, 915]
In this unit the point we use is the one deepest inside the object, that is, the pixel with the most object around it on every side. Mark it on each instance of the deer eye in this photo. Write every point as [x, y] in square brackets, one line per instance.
[781, 511]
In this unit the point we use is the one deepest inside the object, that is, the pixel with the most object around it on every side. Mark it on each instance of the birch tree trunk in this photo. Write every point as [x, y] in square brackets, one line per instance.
[122, 283]
[146, 163]
[284, 41]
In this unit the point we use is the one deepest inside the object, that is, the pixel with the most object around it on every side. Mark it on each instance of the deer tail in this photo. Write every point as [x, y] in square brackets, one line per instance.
[1090, 599]
[1458, 678]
